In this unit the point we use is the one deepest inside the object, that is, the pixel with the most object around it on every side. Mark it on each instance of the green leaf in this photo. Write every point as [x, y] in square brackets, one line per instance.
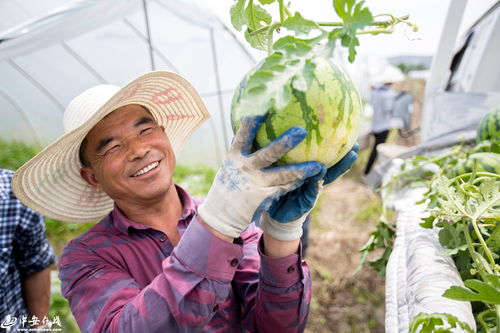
[355, 17]
[267, 2]
[451, 252]
[238, 17]
[255, 14]
[299, 25]
[479, 291]
[428, 222]
[258, 41]
[436, 322]
[494, 280]
[449, 237]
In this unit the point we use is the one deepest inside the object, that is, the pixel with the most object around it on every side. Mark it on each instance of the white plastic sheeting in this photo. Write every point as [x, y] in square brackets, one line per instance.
[50, 51]
[416, 275]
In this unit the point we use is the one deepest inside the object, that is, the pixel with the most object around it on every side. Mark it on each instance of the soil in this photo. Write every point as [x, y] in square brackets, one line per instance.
[343, 302]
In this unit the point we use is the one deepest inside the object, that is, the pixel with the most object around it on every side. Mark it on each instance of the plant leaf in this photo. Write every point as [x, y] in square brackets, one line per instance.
[428, 222]
[255, 14]
[299, 25]
[434, 322]
[355, 17]
[258, 41]
[479, 291]
[238, 17]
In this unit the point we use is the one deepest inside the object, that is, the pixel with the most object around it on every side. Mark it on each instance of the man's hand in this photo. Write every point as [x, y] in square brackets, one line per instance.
[244, 187]
[286, 215]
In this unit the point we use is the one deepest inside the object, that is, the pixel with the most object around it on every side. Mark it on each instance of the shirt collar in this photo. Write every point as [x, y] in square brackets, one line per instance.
[124, 224]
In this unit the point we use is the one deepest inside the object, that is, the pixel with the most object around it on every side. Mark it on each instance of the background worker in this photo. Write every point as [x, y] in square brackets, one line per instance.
[25, 260]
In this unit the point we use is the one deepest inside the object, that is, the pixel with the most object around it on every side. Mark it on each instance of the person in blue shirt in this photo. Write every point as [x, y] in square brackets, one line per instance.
[382, 101]
[25, 260]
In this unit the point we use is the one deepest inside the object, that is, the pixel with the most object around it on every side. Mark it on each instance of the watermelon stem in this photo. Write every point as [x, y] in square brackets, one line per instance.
[485, 174]
[282, 11]
[402, 19]
[474, 254]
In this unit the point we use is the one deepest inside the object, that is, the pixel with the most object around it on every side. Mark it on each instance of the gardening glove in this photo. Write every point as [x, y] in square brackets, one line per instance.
[243, 187]
[286, 215]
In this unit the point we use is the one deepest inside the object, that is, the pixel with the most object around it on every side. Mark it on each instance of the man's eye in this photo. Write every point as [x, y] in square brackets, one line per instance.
[113, 149]
[146, 130]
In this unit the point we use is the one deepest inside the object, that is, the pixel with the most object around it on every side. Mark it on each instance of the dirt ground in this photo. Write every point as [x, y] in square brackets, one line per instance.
[342, 302]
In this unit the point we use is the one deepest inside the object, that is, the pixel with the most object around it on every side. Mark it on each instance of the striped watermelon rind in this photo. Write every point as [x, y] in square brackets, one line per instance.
[489, 127]
[486, 162]
[330, 110]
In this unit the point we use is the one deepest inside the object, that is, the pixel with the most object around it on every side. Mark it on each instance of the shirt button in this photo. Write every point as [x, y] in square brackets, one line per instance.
[291, 269]
[163, 238]
[234, 262]
[215, 308]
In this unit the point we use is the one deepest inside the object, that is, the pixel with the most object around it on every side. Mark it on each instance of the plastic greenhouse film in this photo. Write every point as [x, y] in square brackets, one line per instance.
[416, 275]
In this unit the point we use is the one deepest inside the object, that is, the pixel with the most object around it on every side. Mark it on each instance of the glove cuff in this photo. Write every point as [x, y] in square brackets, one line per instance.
[288, 231]
[217, 222]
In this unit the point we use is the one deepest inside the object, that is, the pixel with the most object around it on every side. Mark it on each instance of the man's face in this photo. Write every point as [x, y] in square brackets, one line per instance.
[129, 156]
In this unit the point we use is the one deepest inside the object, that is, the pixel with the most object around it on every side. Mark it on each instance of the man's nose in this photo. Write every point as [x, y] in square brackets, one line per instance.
[136, 148]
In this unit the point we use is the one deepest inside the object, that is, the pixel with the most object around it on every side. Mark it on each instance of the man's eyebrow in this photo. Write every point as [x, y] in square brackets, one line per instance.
[103, 143]
[143, 120]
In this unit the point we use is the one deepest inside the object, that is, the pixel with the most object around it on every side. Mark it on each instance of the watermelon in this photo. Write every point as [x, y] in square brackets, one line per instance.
[486, 162]
[330, 110]
[489, 127]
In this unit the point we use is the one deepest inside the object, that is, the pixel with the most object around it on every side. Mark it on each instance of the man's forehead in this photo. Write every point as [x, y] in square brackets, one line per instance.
[126, 115]
[131, 107]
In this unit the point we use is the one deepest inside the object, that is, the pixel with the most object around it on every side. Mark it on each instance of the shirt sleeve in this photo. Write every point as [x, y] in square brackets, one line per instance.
[275, 292]
[32, 250]
[183, 298]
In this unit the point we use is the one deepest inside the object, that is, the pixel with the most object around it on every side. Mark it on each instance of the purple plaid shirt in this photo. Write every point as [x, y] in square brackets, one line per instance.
[122, 276]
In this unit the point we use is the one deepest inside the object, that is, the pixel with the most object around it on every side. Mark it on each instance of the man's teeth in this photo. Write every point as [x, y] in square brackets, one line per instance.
[146, 169]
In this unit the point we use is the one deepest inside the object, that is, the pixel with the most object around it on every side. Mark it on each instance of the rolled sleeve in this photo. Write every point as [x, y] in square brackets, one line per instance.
[33, 252]
[280, 272]
[218, 262]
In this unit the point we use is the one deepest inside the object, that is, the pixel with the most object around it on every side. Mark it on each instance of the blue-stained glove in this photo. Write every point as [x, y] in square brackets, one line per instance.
[286, 215]
[246, 185]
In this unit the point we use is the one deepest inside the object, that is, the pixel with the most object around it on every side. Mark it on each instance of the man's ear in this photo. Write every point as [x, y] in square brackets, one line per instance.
[89, 176]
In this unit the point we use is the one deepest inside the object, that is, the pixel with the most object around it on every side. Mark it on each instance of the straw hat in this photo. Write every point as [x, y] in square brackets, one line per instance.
[50, 182]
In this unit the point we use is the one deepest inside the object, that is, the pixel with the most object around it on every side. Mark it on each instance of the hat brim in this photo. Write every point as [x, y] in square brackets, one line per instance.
[50, 183]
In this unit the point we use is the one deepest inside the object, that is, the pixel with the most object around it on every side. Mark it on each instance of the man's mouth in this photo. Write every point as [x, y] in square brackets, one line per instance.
[146, 169]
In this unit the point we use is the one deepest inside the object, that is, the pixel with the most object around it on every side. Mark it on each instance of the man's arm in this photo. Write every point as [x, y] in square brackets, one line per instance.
[275, 293]
[276, 248]
[34, 256]
[36, 289]
[194, 279]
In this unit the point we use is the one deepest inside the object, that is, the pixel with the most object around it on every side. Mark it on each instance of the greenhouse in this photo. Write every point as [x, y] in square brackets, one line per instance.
[257, 166]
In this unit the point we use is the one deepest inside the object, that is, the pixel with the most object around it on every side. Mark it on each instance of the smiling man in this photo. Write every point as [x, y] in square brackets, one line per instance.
[160, 260]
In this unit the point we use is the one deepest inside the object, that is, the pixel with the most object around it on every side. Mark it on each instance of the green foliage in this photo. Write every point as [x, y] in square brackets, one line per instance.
[407, 68]
[465, 207]
[381, 238]
[13, 154]
[478, 291]
[290, 59]
[354, 15]
[299, 25]
[197, 180]
[437, 323]
[59, 307]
